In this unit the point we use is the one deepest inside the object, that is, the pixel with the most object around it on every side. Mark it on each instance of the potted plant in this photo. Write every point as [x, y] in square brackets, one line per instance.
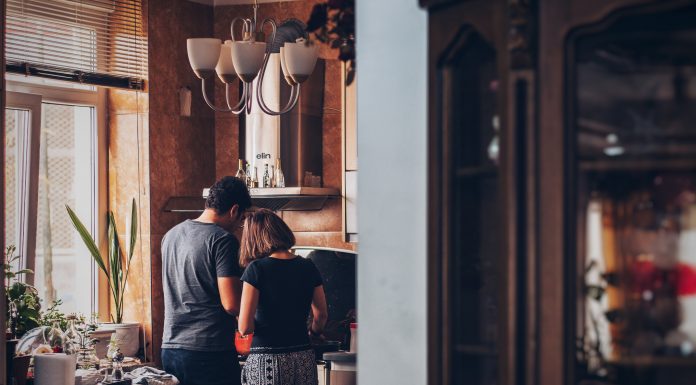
[23, 303]
[115, 266]
[23, 314]
[333, 22]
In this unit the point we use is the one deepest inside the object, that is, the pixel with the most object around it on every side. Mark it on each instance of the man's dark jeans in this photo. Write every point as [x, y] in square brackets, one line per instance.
[202, 368]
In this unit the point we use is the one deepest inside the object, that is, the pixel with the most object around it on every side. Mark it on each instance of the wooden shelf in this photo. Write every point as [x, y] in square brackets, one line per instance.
[637, 165]
[476, 350]
[474, 172]
[654, 361]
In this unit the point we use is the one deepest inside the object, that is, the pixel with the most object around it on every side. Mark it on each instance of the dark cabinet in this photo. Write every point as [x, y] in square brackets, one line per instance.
[563, 192]
[474, 245]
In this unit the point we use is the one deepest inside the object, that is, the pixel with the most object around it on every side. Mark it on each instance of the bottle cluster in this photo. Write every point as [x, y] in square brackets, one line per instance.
[270, 179]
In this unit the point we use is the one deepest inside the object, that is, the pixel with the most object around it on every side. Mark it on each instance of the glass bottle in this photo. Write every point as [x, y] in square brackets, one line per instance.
[255, 181]
[55, 338]
[249, 180]
[279, 177]
[240, 171]
[71, 338]
[266, 177]
[273, 176]
[117, 365]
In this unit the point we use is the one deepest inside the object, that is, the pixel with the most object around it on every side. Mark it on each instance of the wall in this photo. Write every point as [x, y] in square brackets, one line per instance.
[392, 110]
[128, 179]
[321, 228]
[182, 160]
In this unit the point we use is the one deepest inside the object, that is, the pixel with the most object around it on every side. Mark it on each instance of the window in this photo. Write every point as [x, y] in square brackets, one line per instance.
[66, 175]
[98, 42]
[53, 160]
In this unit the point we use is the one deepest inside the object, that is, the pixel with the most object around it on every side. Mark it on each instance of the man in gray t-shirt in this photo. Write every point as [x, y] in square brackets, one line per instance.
[200, 279]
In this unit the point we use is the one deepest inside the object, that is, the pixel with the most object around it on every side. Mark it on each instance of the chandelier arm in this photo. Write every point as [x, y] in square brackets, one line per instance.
[249, 98]
[246, 26]
[209, 103]
[237, 109]
[241, 106]
[294, 93]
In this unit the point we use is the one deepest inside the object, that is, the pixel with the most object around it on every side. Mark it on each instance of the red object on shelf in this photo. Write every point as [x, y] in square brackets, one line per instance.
[243, 343]
[687, 280]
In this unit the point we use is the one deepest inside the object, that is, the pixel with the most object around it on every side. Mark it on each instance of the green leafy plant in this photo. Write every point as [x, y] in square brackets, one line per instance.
[115, 265]
[333, 22]
[53, 314]
[23, 303]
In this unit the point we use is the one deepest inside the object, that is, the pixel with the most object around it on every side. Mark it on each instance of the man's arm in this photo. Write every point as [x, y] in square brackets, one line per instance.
[230, 293]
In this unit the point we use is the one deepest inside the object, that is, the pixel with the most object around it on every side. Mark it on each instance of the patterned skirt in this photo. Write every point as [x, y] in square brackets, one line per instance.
[295, 368]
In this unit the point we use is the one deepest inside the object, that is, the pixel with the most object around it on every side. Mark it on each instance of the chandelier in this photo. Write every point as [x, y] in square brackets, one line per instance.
[247, 59]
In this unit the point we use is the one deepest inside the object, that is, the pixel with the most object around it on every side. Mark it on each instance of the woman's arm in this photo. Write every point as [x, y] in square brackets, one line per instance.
[247, 311]
[319, 310]
[230, 289]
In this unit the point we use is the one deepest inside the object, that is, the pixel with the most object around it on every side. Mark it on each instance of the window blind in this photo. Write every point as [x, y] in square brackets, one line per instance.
[99, 42]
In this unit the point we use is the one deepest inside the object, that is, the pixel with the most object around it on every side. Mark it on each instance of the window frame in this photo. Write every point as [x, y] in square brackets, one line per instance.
[95, 98]
[27, 188]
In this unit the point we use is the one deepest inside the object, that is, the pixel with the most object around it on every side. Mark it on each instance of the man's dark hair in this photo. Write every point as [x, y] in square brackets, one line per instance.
[227, 192]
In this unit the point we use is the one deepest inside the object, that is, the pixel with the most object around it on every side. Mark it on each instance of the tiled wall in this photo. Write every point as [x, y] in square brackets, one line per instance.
[182, 156]
[128, 180]
[128, 176]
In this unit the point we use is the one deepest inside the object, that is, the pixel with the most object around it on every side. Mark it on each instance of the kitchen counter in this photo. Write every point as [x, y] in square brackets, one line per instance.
[340, 368]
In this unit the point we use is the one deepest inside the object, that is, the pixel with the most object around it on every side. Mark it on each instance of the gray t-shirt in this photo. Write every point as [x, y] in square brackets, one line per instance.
[194, 255]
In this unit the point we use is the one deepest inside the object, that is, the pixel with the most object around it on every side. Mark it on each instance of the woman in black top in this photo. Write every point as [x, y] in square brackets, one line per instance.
[279, 291]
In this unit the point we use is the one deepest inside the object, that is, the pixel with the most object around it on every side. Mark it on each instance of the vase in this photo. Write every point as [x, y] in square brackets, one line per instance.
[126, 336]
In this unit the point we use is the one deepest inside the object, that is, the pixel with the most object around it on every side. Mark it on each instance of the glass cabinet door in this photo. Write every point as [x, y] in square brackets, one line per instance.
[472, 263]
[632, 192]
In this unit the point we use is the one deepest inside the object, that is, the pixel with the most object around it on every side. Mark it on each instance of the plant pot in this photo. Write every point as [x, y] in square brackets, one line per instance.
[126, 335]
[10, 346]
[103, 337]
[20, 367]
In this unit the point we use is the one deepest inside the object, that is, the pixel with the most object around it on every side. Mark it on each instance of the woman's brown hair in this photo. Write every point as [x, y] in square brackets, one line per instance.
[264, 234]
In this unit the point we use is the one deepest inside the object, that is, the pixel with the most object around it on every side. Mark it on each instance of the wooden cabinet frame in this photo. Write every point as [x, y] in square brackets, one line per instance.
[540, 293]
[560, 22]
[451, 27]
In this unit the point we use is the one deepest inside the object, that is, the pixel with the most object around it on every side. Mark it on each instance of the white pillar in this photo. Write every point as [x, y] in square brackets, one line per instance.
[392, 185]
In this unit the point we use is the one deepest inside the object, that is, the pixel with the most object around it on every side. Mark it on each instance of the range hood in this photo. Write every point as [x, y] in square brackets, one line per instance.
[276, 199]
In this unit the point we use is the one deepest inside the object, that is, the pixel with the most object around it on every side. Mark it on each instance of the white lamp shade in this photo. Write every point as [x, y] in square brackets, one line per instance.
[284, 68]
[225, 67]
[300, 59]
[203, 55]
[247, 57]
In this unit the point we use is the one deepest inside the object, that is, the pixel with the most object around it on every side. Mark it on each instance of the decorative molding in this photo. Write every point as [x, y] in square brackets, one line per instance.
[520, 34]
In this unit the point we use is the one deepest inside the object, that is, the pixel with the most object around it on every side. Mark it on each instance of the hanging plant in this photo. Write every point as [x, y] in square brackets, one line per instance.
[333, 23]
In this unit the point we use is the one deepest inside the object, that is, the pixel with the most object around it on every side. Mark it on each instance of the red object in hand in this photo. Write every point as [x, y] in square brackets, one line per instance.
[57, 349]
[243, 343]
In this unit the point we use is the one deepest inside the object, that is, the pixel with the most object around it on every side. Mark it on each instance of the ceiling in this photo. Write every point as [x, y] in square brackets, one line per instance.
[235, 2]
